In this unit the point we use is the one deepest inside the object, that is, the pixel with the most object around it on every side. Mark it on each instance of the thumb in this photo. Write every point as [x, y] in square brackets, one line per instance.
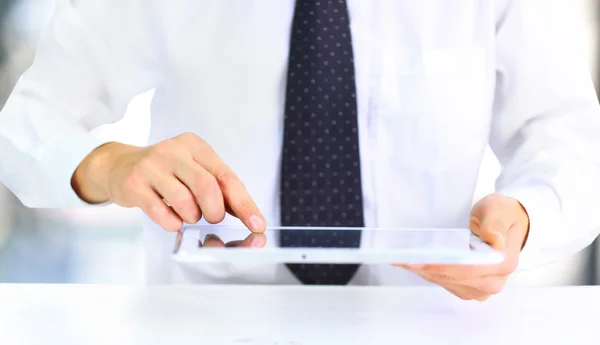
[491, 227]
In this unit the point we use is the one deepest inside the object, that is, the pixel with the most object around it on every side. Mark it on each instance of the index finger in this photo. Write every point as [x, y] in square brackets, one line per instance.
[234, 192]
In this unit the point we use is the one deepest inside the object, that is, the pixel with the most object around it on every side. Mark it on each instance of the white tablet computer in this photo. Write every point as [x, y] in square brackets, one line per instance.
[214, 244]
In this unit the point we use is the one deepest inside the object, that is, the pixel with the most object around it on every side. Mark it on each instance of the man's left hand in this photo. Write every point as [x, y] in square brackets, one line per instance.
[499, 221]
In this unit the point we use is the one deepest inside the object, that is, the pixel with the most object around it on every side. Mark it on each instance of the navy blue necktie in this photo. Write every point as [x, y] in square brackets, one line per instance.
[320, 180]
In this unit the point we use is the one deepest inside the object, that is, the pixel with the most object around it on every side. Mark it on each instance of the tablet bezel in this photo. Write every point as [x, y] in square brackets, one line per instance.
[479, 253]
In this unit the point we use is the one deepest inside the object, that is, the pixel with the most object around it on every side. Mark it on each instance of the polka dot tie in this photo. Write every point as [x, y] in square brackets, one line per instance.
[321, 182]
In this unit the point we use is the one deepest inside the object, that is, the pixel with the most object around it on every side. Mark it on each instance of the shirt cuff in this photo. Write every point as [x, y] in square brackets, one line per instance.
[57, 166]
[543, 242]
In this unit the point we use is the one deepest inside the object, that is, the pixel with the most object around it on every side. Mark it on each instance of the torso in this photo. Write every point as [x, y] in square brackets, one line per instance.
[425, 83]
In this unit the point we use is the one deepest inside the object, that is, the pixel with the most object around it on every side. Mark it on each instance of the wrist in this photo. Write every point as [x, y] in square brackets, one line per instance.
[91, 178]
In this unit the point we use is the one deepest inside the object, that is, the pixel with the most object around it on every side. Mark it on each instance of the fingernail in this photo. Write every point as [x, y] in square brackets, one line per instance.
[256, 223]
[258, 242]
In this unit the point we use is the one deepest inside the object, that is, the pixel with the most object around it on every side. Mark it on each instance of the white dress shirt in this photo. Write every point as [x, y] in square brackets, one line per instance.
[436, 81]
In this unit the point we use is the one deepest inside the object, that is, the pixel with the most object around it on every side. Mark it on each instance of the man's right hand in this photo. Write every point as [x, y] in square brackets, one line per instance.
[175, 181]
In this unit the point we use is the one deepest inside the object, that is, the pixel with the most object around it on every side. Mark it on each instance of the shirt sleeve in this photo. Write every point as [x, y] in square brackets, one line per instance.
[546, 127]
[91, 60]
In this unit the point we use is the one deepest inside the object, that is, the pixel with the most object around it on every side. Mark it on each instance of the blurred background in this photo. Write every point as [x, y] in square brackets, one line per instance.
[101, 245]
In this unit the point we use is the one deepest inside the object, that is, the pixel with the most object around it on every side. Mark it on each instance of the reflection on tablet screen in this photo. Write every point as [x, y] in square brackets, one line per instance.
[370, 238]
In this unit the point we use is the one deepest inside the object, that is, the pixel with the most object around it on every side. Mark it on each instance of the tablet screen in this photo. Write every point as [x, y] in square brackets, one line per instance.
[228, 237]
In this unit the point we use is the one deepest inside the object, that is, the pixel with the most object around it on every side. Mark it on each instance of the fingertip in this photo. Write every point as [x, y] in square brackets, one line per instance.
[174, 227]
[172, 222]
[256, 224]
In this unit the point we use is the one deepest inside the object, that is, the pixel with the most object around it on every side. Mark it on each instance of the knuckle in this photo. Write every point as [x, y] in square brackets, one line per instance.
[187, 136]
[164, 150]
[243, 206]
[164, 146]
[206, 184]
[210, 198]
[157, 212]
[182, 198]
[136, 178]
[153, 159]
[146, 167]
[190, 139]
[161, 215]
[225, 177]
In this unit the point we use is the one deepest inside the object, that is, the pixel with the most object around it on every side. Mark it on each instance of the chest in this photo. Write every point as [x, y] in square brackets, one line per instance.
[424, 69]
[256, 32]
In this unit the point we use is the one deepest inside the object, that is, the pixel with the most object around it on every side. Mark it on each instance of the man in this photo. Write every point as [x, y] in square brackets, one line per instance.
[333, 113]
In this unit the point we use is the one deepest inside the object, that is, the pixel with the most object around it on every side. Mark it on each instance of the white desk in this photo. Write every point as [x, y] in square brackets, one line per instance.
[232, 315]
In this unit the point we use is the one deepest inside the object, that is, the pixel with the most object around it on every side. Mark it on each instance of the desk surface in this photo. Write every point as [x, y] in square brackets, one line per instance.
[232, 315]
